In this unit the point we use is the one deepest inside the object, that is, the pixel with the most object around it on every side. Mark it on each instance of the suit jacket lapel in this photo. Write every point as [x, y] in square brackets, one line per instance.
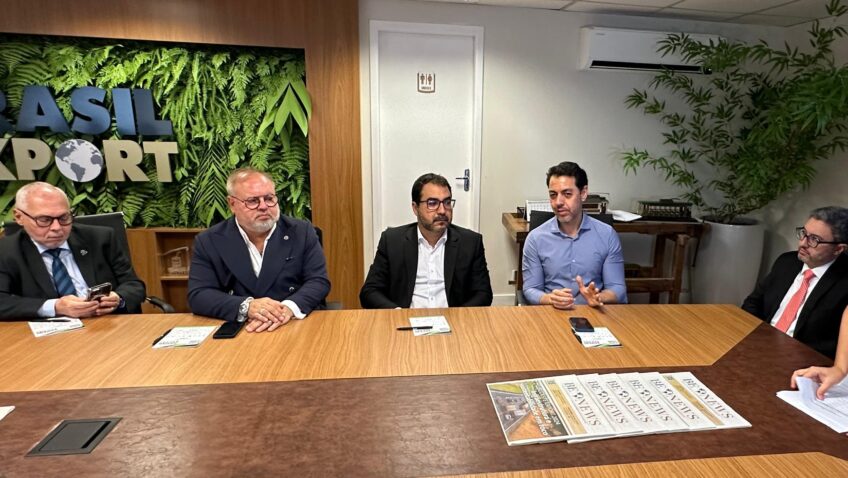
[83, 258]
[410, 261]
[827, 281]
[276, 255]
[36, 266]
[233, 251]
[451, 250]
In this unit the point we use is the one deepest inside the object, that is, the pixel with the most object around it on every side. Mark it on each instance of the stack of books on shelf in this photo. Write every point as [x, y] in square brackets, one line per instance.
[578, 408]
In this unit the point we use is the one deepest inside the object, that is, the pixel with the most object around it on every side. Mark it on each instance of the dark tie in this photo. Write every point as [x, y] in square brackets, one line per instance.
[61, 278]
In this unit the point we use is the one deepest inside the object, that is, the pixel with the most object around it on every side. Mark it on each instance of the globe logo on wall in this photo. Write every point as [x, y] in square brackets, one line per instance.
[79, 160]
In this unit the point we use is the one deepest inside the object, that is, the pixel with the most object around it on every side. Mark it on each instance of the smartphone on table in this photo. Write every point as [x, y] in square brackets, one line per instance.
[581, 324]
[99, 291]
[228, 330]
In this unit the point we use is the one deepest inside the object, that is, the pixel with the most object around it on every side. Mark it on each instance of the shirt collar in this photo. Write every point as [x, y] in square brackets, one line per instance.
[820, 270]
[585, 225]
[247, 239]
[423, 240]
[41, 248]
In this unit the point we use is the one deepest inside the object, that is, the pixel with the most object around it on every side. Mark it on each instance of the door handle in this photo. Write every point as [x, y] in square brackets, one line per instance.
[466, 180]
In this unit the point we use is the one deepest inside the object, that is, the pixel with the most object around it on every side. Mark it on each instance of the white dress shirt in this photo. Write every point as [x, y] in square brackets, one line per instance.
[256, 258]
[796, 284]
[429, 292]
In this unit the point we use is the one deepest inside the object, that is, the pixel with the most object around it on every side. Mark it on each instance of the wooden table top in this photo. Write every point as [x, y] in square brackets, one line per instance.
[116, 351]
[345, 394]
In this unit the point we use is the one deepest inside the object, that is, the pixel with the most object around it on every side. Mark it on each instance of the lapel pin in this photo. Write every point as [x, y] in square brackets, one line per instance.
[83, 252]
[285, 238]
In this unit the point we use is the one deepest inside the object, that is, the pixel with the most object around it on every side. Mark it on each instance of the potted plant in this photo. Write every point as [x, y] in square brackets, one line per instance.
[742, 135]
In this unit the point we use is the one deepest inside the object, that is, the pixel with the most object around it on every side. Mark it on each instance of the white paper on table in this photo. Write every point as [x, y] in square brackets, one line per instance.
[50, 327]
[184, 337]
[623, 216]
[601, 337]
[5, 411]
[832, 411]
[438, 322]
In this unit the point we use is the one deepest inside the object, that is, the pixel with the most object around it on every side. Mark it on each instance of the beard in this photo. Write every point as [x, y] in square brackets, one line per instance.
[261, 227]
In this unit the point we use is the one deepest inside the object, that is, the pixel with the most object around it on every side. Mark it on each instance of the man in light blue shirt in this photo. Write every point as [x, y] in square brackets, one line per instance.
[572, 258]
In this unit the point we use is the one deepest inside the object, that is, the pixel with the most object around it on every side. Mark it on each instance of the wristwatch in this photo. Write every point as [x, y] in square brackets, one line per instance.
[243, 307]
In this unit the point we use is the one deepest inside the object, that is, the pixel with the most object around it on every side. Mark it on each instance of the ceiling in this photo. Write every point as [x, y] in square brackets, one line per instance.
[782, 13]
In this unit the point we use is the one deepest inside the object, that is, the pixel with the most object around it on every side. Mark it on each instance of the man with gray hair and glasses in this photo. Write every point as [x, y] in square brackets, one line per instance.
[48, 266]
[258, 266]
[806, 291]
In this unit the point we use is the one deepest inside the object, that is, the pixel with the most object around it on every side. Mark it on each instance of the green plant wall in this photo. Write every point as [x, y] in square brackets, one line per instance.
[230, 107]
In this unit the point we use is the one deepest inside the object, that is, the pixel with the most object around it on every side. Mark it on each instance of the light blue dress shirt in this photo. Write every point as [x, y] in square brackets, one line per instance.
[48, 308]
[552, 260]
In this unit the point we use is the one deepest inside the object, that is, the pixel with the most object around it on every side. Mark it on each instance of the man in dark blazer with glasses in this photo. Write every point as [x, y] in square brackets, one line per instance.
[48, 266]
[259, 266]
[806, 291]
[430, 263]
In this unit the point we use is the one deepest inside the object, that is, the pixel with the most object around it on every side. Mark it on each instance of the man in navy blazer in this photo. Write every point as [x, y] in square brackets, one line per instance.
[47, 267]
[821, 254]
[257, 266]
[430, 263]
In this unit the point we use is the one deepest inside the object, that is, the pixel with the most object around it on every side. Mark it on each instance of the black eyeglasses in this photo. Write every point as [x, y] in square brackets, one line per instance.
[812, 240]
[433, 203]
[45, 221]
[253, 202]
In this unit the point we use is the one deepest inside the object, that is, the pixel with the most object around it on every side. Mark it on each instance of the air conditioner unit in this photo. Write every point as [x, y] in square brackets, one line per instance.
[620, 49]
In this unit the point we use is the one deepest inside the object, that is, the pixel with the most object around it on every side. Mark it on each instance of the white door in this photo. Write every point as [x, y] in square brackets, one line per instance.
[426, 95]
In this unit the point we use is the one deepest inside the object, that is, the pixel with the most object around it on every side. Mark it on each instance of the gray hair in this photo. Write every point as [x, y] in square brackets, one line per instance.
[22, 196]
[835, 217]
[240, 175]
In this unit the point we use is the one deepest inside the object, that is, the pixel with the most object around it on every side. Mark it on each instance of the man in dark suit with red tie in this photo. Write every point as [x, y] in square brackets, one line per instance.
[46, 269]
[806, 291]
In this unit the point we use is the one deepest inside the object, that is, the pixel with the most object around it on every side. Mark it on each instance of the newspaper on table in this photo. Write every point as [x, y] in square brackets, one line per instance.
[578, 408]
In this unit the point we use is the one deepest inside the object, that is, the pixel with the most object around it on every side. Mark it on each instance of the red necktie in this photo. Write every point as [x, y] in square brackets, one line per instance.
[795, 302]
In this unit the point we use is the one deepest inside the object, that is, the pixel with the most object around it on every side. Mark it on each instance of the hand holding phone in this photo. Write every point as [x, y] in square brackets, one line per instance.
[99, 291]
[581, 324]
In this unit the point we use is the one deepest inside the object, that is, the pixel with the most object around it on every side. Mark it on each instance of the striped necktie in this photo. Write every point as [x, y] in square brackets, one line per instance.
[61, 278]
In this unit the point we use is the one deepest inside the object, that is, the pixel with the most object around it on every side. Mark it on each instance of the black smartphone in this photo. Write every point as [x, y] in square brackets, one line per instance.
[228, 330]
[581, 324]
[99, 291]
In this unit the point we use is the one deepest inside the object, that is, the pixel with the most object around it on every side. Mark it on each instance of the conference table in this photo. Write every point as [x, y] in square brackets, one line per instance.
[343, 393]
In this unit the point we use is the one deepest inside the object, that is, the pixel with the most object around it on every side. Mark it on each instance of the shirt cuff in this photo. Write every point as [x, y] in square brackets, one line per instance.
[533, 296]
[48, 308]
[294, 308]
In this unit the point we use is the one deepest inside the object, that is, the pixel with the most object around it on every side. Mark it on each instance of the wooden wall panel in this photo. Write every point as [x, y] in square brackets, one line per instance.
[328, 32]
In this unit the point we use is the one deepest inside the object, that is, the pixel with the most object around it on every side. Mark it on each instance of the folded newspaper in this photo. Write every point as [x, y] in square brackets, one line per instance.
[578, 408]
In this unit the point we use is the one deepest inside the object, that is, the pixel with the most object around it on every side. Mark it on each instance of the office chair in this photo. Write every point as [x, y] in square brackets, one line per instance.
[537, 218]
[114, 220]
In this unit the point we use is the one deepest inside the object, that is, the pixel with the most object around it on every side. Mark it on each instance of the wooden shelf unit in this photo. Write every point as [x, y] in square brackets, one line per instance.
[146, 246]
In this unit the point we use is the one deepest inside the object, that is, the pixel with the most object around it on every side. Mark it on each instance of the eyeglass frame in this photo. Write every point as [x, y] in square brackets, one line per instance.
[42, 218]
[258, 199]
[812, 239]
[448, 203]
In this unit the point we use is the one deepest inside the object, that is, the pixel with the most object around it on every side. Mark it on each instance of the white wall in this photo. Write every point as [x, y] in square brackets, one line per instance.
[539, 109]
